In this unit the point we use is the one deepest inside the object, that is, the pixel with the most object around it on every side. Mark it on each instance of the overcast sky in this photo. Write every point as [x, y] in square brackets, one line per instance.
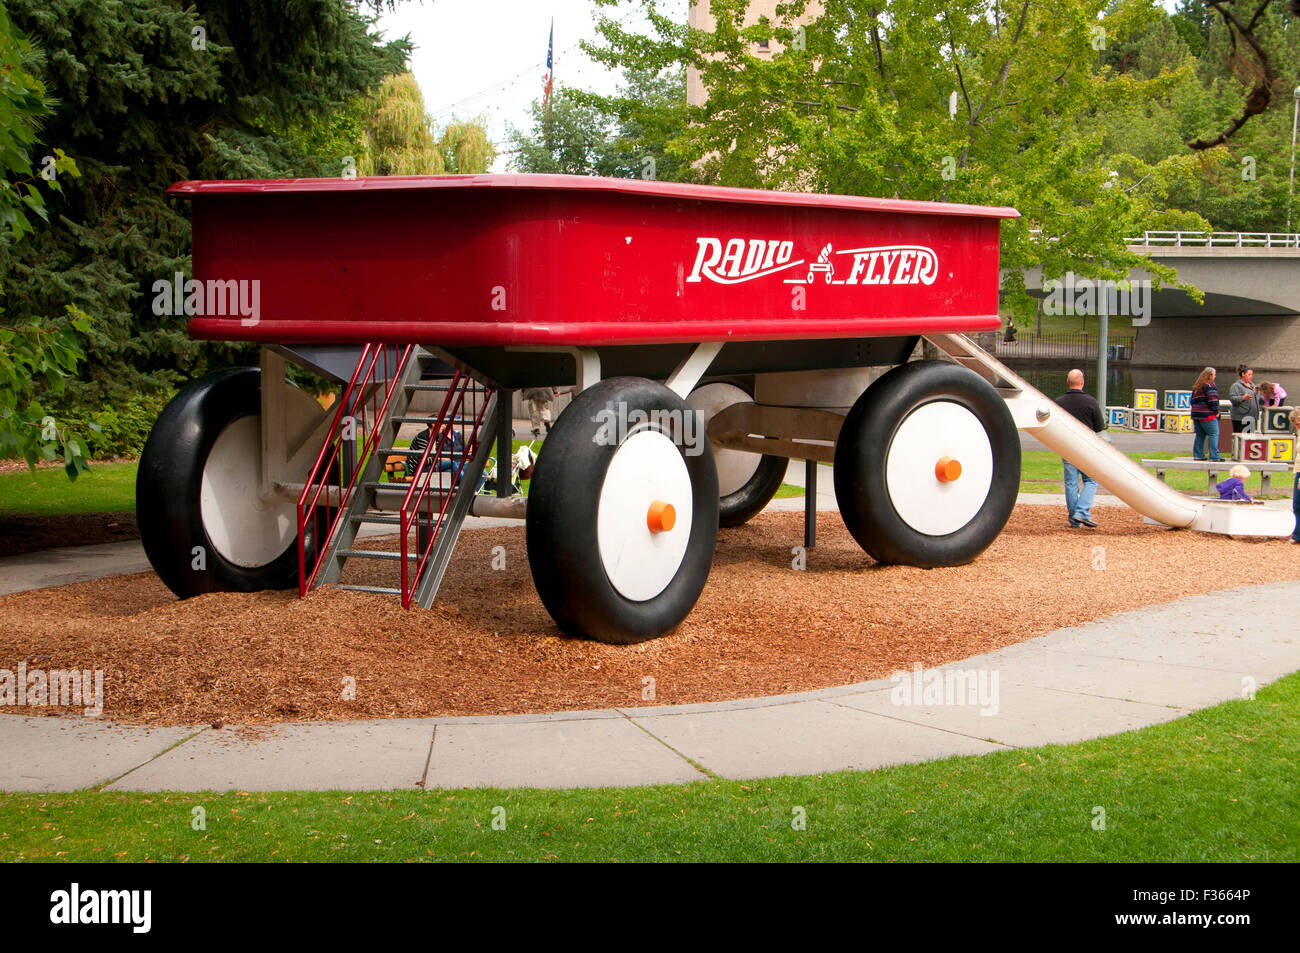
[488, 57]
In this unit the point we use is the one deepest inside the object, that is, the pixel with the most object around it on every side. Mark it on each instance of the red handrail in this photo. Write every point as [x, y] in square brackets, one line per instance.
[362, 394]
[418, 495]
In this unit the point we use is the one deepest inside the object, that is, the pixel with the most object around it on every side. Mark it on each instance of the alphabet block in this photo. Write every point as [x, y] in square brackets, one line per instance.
[1144, 400]
[1147, 420]
[1178, 400]
[1116, 416]
[1249, 447]
[1276, 420]
[1281, 449]
[1172, 422]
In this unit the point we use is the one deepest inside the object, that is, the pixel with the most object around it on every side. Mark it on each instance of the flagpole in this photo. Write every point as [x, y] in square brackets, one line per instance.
[550, 78]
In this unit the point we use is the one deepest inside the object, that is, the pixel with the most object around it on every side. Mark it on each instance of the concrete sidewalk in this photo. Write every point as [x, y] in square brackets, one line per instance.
[1134, 669]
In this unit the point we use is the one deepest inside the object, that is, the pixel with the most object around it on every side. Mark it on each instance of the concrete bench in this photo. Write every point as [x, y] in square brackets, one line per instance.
[1212, 468]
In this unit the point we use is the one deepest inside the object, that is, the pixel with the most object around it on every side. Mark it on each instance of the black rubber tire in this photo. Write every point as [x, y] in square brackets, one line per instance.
[740, 507]
[863, 446]
[169, 481]
[563, 500]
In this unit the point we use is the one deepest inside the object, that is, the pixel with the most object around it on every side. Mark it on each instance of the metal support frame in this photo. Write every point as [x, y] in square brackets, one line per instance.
[279, 461]
[797, 433]
[809, 504]
[688, 373]
[274, 451]
[505, 425]
[586, 361]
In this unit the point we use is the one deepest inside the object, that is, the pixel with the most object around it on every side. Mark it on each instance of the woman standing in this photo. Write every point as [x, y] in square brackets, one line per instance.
[1245, 403]
[1205, 416]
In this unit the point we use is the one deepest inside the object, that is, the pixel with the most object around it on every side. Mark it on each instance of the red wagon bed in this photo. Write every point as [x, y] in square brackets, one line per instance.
[568, 260]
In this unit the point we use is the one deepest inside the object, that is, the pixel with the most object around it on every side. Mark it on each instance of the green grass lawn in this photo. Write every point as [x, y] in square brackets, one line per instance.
[110, 487]
[1119, 328]
[107, 488]
[1218, 785]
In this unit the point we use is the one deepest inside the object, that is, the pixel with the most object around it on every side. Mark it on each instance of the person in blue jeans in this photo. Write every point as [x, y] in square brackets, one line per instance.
[1205, 416]
[1084, 408]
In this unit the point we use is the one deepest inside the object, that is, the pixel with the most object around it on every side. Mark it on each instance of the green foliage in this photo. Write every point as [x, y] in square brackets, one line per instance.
[37, 353]
[958, 103]
[466, 148]
[1076, 113]
[149, 92]
[393, 135]
[1241, 186]
[119, 429]
[397, 137]
[623, 136]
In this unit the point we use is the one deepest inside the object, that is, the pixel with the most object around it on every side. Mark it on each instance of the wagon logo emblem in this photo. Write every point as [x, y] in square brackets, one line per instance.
[739, 260]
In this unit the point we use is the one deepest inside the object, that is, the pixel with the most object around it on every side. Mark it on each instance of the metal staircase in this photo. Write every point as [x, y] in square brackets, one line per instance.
[344, 491]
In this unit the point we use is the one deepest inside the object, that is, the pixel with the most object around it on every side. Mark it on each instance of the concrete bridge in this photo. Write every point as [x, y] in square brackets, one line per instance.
[1251, 312]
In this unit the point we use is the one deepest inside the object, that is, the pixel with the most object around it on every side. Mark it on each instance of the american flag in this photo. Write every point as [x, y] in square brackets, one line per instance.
[550, 46]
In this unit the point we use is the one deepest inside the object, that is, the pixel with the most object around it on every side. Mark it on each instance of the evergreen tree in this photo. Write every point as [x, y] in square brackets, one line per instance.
[148, 92]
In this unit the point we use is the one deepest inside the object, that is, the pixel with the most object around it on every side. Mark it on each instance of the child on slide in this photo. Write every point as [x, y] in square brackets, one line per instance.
[1234, 488]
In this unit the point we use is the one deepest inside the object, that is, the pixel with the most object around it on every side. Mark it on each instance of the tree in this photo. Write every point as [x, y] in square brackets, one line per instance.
[623, 136]
[150, 92]
[36, 352]
[570, 140]
[388, 132]
[924, 99]
[466, 147]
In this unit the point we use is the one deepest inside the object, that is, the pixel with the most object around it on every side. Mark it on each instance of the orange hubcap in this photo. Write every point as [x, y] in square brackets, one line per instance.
[947, 470]
[661, 517]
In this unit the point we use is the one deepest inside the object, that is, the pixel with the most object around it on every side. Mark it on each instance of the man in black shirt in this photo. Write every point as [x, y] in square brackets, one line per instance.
[1084, 408]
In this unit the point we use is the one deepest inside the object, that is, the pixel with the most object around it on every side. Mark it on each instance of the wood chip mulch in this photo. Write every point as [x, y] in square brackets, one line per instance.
[488, 647]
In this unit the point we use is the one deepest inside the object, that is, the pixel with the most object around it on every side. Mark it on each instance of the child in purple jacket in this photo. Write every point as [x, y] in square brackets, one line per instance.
[1234, 488]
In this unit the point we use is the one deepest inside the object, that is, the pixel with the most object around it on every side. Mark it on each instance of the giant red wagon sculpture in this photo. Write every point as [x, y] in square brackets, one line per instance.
[711, 334]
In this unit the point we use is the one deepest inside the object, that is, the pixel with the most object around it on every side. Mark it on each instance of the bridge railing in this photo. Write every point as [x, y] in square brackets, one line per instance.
[1058, 345]
[1173, 239]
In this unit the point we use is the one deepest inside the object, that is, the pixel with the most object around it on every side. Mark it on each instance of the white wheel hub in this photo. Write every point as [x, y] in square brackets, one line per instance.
[242, 527]
[646, 469]
[927, 502]
[735, 467]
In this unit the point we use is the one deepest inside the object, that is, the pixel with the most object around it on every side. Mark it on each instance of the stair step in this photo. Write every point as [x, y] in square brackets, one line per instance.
[380, 518]
[369, 554]
[430, 420]
[441, 387]
[379, 590]
[403, 487]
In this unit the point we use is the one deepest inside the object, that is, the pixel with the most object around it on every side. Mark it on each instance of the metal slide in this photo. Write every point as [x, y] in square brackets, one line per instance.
[1039, 415]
